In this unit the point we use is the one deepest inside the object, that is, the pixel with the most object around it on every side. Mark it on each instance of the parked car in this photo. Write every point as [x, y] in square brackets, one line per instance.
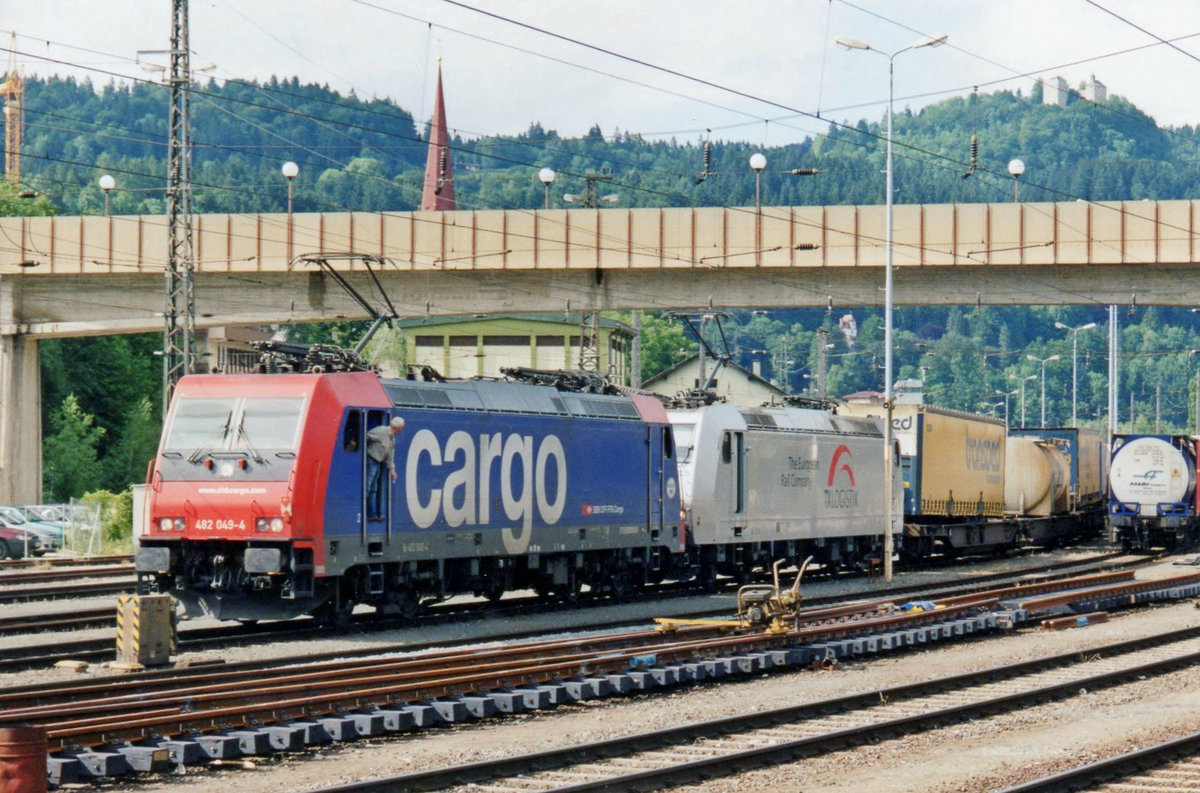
[49, 537]
[46, 513]
[13, 542]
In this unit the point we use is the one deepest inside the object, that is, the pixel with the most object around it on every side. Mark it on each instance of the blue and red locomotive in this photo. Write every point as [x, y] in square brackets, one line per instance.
[258, 494]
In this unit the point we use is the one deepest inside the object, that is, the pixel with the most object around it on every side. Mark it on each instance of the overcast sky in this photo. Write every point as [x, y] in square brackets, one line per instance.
[655, 67]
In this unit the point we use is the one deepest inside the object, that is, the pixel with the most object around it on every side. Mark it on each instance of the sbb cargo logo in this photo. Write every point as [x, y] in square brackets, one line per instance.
[840, 469]
[465, 464]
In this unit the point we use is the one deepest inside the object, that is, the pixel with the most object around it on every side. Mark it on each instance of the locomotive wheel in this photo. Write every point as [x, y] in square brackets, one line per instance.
[493, 588]
[409, 604]
[570, 592]
[620, 585]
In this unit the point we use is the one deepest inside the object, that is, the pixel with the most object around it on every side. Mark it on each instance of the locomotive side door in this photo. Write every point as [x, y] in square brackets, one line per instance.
[377, 506]
[354, 443]
[658, 451]
[733, 456]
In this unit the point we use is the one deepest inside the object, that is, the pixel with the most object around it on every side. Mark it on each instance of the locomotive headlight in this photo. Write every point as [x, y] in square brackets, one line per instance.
[180, 524]
[262, 524]
[276, 524]
[225, 469]
[172, 524]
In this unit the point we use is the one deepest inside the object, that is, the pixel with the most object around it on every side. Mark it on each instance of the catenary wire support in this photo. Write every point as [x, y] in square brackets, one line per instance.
[180, 312]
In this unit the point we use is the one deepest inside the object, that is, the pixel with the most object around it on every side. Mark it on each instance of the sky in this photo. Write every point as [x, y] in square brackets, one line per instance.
[764, 72]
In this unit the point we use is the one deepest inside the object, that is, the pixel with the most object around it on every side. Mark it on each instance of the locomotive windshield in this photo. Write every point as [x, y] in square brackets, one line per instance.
[232, 423]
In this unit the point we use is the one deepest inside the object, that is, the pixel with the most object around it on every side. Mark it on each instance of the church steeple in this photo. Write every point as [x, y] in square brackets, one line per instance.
[439, 172]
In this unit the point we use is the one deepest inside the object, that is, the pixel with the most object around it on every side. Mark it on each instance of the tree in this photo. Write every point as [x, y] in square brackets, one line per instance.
[133, 448]
[662, 340]
[71, 466]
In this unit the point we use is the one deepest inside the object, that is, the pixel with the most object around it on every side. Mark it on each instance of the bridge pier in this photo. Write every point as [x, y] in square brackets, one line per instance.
[20, 421]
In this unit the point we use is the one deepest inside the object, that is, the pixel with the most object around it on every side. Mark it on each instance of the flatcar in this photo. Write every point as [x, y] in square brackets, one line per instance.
[1152, 491]
[781, 482]
[258, 494]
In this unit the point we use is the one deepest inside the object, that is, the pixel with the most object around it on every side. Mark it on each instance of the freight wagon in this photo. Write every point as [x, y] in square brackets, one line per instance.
[953, 468]
[1152, 491]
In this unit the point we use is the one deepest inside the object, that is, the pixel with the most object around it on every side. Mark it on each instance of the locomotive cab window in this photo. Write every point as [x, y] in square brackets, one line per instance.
[222, 424]
[352, 434]
[268, 423]
[668, 443]
[727, 447]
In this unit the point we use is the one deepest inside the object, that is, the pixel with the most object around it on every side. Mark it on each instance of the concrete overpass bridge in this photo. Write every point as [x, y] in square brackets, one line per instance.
[76, 276]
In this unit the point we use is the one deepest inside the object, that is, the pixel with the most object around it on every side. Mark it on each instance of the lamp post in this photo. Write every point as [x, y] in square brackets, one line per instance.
[1016, 168]
[1023, 380]
[1043, 362]
[888, 434]
[547, 176]
[290, 171]
[1006, 395]
[1074, 363]
[758, 162]
[107, 183]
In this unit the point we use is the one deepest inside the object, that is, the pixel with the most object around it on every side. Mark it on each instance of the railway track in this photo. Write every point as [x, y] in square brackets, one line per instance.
[94, 650]
[47, 562]
[1172, 766]
[696, 752]
[348, 698]
[67, 591]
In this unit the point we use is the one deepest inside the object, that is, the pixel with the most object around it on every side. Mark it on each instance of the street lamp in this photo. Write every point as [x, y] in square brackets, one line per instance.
[1023, 381]
[547, 176]
[290, 171]
[1043, 362]
[888, 452]
[1074, 363]
[107, 183]
[1016, 168]
[1006, 395]
[758, 162]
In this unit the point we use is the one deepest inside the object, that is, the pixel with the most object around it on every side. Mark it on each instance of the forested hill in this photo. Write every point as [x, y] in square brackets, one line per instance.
[370, 155]
[101, 421]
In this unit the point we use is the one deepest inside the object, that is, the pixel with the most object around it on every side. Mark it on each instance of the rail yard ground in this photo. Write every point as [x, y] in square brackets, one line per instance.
[984, 755]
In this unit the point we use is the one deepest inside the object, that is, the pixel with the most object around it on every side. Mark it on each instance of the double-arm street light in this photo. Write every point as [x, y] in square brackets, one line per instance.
[1074, 364]
[1023, 380]
[1043, 362]
[888, 453]
[1006, 395]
